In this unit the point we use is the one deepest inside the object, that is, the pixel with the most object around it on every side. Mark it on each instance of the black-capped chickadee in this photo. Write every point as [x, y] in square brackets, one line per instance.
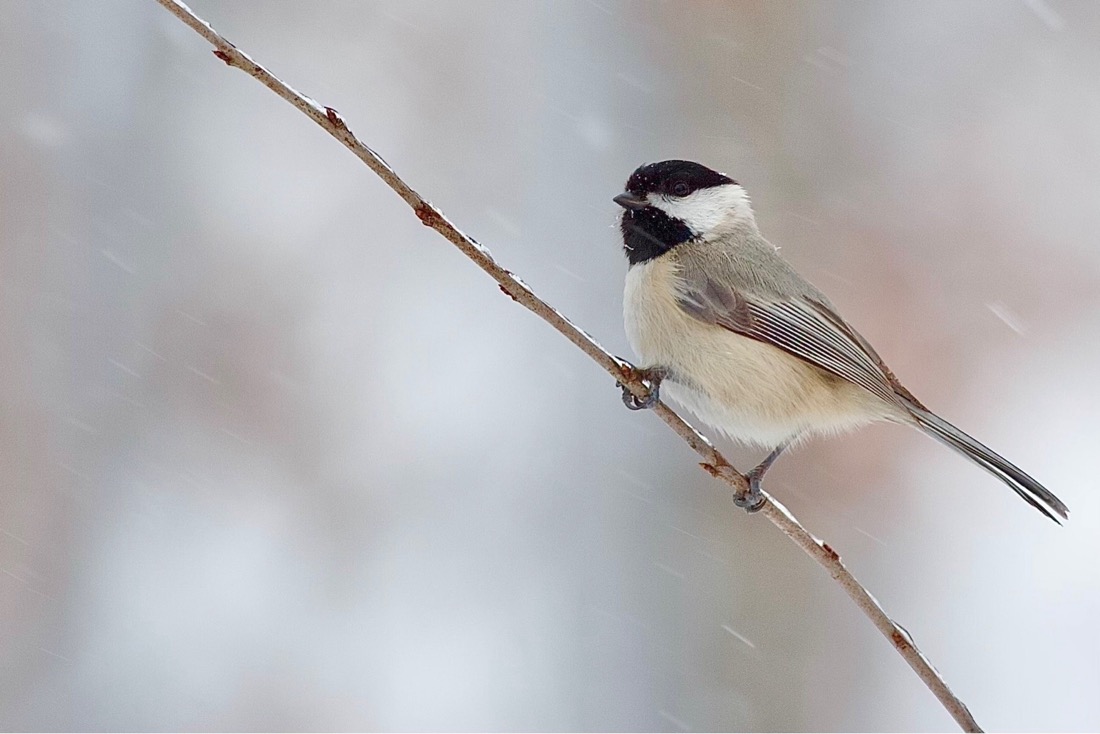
[744, 342]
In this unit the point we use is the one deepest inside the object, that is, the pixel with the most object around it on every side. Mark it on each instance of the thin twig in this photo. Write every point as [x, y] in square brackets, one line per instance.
[623, 372]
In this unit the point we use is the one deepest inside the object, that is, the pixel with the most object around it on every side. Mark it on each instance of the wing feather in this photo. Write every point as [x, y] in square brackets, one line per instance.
[806, 329]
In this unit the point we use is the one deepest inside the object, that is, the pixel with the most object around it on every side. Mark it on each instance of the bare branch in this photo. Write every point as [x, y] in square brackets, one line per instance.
[713, 462]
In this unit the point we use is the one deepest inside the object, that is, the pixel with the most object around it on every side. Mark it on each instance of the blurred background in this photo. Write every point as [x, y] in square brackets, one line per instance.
[275, 456]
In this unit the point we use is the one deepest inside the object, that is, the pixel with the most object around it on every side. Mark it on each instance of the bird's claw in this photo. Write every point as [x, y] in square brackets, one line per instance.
[633, 402]
[652, 380]
[752, 500]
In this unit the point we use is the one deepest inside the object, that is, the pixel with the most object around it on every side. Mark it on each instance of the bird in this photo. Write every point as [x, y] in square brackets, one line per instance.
[726, 327]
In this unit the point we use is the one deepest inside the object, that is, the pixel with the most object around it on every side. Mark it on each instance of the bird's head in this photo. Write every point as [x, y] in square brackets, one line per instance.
[671, 202]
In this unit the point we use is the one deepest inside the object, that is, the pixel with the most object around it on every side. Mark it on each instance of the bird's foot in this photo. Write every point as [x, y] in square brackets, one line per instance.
[754, 499]
[652, 378]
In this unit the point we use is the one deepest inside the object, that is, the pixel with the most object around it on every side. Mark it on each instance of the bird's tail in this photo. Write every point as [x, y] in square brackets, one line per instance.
[1032, 492]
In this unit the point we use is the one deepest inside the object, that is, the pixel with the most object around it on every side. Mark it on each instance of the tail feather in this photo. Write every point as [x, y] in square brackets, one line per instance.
[1021, 483]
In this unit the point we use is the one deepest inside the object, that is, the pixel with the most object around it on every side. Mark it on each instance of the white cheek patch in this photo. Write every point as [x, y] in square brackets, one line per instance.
[705, 209]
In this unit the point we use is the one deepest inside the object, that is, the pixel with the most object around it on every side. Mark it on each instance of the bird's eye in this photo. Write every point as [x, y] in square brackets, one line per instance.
[681, 188]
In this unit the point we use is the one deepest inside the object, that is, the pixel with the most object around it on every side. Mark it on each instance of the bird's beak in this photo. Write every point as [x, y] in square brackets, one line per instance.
[630, 201]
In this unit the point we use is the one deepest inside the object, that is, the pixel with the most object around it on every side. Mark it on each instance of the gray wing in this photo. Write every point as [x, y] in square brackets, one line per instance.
[801, 326]
[806, 326]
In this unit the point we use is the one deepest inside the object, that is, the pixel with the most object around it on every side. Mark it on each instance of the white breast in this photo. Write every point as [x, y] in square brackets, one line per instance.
[749, 390]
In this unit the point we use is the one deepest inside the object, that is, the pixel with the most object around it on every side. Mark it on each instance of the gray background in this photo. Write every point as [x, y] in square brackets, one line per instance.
[275, 456]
